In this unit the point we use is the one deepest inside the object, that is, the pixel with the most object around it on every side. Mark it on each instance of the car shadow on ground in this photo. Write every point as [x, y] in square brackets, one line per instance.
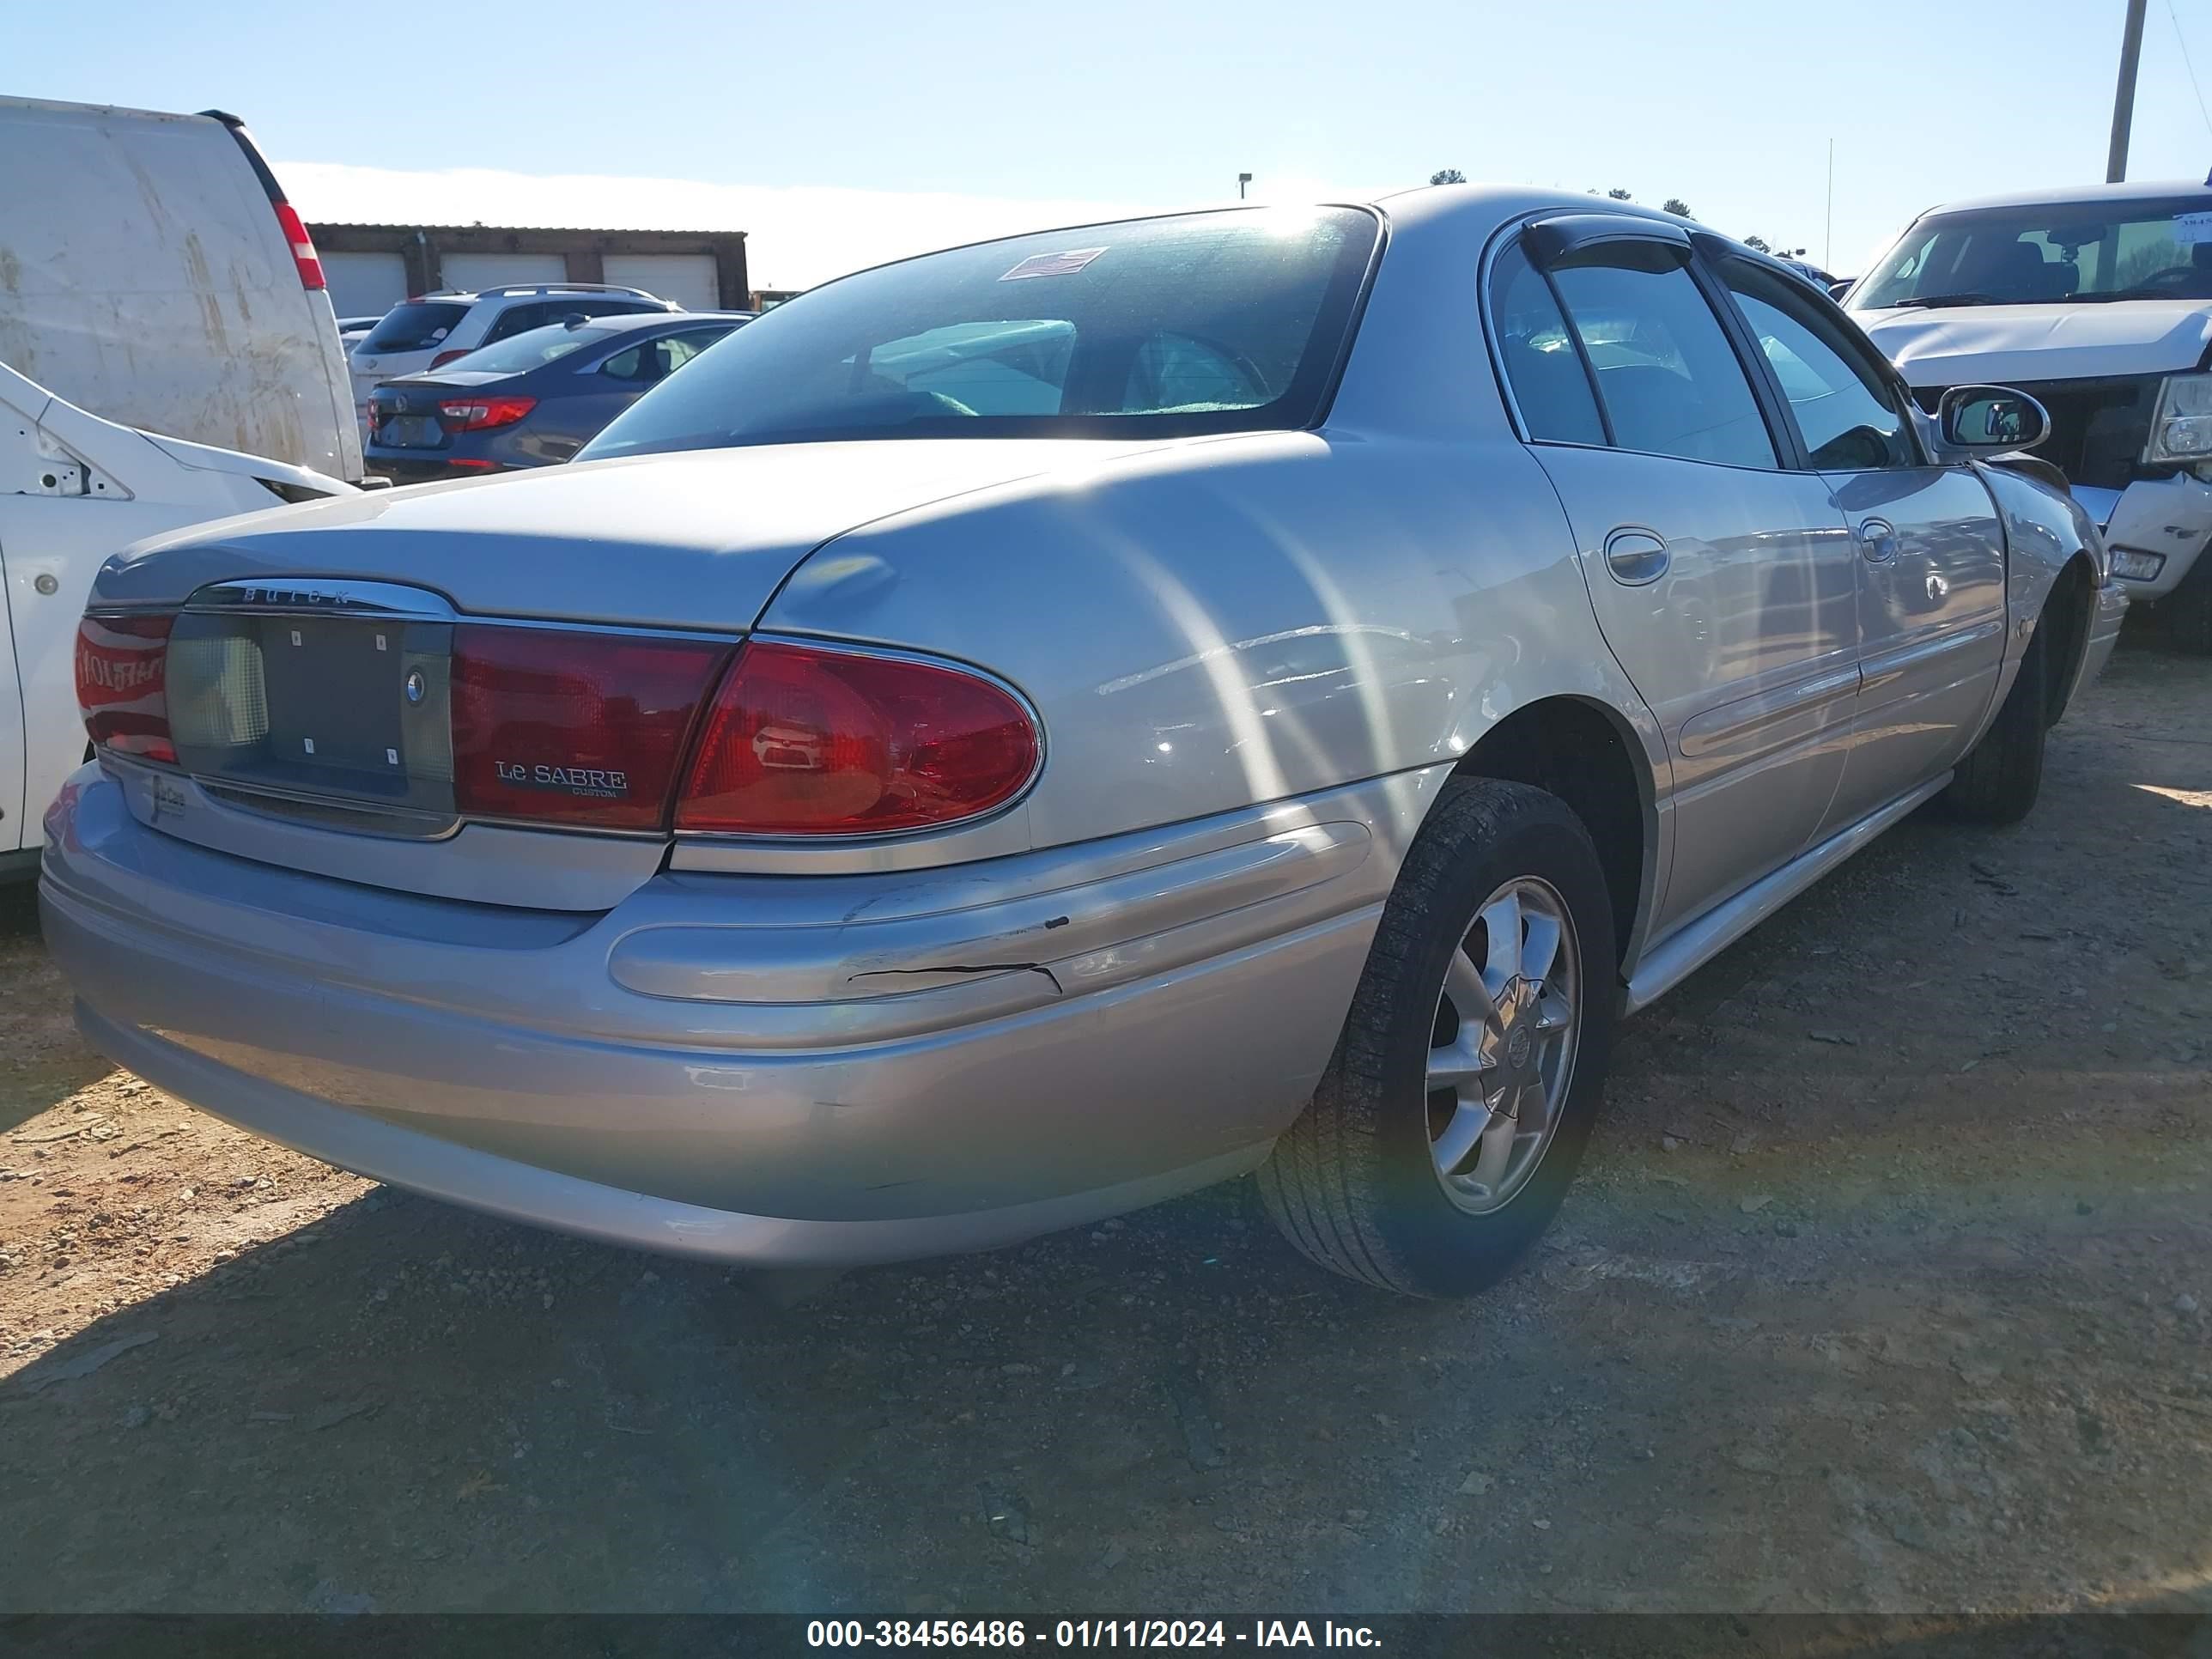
[545, 1422]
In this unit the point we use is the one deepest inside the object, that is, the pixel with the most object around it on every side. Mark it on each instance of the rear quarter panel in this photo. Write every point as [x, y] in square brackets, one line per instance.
[143, 276]
[1226, 621]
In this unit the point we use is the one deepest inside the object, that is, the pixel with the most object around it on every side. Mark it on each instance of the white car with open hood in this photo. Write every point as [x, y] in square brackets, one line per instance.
[75, 489]
[2097, 300]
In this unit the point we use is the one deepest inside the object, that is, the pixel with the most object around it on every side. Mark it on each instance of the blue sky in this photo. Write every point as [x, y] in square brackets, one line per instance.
[849, 131]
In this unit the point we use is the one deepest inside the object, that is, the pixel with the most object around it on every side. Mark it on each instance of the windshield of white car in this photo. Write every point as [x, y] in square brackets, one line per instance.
[1230, 321]
[2054, 254]
[533, 348]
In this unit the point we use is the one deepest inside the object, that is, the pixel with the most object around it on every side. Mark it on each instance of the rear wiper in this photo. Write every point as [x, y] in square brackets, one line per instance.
[1929, 299]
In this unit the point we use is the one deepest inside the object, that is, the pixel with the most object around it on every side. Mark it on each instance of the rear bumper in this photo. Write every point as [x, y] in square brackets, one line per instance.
[427, 465]
[734, 1066]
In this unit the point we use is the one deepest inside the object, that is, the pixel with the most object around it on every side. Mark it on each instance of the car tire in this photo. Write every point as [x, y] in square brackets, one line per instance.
[1365, 1183]
[2188, 610]
[1998, 781]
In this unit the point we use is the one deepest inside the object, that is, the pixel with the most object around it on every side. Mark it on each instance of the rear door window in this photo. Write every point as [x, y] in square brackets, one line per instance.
[417, 325]
[1668, 377]
[1542, 367]
[677, 350]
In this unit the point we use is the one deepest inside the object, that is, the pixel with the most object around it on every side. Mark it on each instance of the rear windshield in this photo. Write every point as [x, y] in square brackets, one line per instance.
[415, 326]
[2058, 251]
[1213, 322]
[533, 349]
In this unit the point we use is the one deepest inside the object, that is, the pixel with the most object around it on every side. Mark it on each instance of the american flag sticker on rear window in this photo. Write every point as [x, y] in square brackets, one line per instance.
[1052, 265]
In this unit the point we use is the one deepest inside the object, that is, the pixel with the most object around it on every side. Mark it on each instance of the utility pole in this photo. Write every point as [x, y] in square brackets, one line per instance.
[2123, 95]
[1828, 250]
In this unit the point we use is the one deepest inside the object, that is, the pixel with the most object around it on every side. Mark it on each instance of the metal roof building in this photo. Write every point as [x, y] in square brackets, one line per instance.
[373, 267]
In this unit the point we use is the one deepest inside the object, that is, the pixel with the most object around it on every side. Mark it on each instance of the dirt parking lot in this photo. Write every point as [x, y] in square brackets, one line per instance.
[1886, 1286]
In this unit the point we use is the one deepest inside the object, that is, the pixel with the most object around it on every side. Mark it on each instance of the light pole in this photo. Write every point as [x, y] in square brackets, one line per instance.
[1828, 251]
[1243, 180]
[2123, 94]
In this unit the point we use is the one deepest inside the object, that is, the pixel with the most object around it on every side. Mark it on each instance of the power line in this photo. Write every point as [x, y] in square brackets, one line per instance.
[2183, 41]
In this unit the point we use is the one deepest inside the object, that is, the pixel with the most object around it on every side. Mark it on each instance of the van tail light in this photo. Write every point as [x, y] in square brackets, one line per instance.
[122, 675]
[482, 414]
[571, 727]
[304, 257]
[305, 260]
[445, 357]
[809, 740]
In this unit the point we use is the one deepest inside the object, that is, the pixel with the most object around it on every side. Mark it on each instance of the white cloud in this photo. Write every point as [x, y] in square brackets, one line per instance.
[796, 236]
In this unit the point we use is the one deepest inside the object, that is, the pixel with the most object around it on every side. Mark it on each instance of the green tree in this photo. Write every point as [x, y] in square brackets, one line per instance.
[1619, 194]
[1677, 205]
[1448, 176]
[1759, 245]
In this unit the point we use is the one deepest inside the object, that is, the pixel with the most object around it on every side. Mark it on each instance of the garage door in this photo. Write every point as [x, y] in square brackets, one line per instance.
[365, 284]
[469, 271]
[687, 278]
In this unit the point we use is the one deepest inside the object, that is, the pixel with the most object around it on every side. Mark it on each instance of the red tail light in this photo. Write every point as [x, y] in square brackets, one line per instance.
[304, 256]
[808, 740]
[481, 414]
[122, 664]
[445, 357]
[572, 727]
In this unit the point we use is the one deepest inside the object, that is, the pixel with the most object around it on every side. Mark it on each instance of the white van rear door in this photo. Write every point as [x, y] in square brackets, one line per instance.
[148, 280]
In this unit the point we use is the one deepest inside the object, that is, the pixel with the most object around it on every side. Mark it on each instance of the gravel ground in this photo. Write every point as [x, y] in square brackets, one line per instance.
[1885, 1287]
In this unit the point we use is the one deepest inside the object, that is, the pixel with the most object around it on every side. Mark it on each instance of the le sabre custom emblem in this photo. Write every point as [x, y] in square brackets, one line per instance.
[594, 781]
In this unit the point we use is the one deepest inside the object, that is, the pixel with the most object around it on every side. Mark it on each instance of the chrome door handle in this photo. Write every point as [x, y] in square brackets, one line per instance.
[1635, 557]
[1877, 540]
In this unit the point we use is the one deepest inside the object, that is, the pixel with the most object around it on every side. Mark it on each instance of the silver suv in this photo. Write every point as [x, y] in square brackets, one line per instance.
[431, 330]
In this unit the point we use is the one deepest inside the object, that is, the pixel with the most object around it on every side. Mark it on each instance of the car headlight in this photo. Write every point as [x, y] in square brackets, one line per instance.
[2181, 429]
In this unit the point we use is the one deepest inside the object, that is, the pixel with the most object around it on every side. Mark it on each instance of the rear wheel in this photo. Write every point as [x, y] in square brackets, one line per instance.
[1443, 1137]
[2001, 776]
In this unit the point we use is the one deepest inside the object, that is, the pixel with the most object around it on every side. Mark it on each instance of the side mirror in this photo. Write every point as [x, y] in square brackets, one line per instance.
[1836, 290]
[1991, 417]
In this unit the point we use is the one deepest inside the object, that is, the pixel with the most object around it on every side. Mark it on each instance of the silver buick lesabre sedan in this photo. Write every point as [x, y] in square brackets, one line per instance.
[1021, 732]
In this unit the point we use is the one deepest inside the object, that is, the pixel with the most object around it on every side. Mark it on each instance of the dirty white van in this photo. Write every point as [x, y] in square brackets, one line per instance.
[152, 272]
[75, 489]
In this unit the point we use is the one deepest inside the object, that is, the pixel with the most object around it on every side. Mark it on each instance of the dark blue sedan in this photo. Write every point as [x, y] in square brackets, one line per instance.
[534, 399]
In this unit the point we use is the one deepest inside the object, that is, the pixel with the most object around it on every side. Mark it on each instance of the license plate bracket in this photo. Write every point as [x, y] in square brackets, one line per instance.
[410, 432]
[327, 707]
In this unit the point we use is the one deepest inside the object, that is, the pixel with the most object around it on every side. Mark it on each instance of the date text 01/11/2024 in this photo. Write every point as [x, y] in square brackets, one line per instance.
[1085, 1633]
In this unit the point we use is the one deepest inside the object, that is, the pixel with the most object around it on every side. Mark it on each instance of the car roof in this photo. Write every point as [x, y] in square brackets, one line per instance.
[2152, 189]
[530, 293]
[636, 319]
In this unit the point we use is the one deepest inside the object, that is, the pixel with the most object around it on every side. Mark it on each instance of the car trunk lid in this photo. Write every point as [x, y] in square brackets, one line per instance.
[406, 414]
[542, 641]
